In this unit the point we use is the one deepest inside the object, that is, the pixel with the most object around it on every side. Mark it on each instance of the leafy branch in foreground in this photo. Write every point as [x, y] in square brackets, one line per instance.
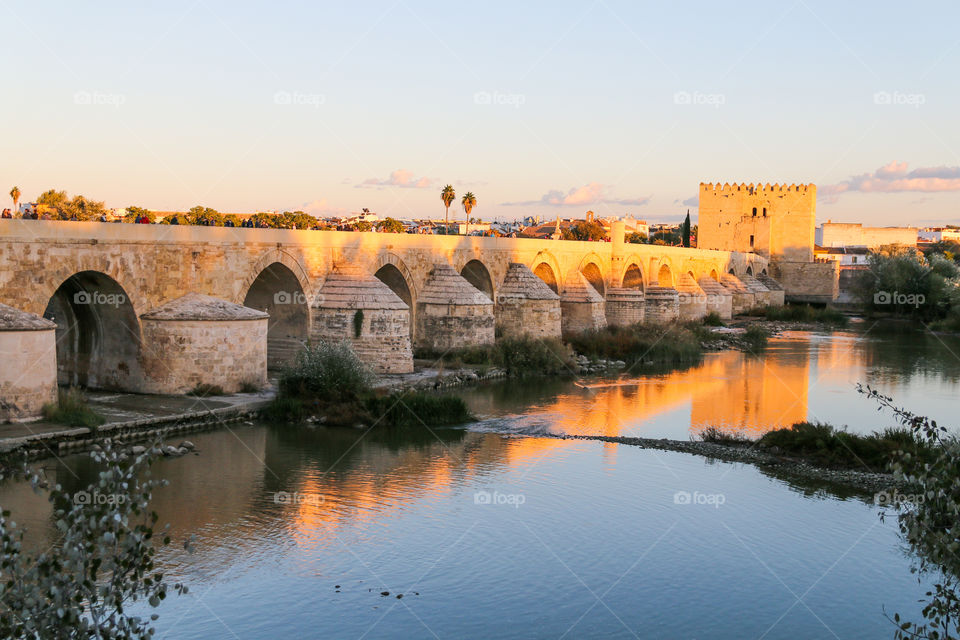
[929, 519]
[102, 561]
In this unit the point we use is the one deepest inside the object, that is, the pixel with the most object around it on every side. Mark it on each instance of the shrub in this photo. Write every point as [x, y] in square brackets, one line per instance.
[416, 409]
[804, 313]
[713, 319]
[104, 559]
[716, 435]
[521, 356]
[927, 515]
[654, 343]
[204, 390]
[72, 409]
[325, 371]
[826, 446]
[249, 386]
[756, 338]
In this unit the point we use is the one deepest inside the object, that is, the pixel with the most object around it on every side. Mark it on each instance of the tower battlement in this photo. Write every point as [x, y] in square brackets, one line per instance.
[757, 188]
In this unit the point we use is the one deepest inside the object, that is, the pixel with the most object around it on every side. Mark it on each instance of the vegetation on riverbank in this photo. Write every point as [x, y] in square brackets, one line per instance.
[518, 357]
[905, 282]
[648, 343]
[72, 410]
[104, 561]
[329, 382]
[826, 446]
[801, 313]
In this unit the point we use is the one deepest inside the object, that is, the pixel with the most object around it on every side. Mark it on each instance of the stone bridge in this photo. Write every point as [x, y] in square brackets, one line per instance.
[96, 280]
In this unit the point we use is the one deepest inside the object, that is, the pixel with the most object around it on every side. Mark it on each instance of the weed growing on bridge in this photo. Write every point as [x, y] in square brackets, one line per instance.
[204, 390]
[72, 409]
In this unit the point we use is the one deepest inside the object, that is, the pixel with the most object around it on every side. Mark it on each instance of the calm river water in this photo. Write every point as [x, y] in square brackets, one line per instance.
[491, 535]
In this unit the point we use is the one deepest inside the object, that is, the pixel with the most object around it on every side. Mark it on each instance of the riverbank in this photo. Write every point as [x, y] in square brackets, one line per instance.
[863, 482]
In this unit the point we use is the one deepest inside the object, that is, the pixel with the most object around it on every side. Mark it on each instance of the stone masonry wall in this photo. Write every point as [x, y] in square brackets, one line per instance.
[28, 375]
[179, 355]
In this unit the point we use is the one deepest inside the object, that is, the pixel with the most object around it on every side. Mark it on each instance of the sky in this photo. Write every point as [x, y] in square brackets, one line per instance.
[545, 109]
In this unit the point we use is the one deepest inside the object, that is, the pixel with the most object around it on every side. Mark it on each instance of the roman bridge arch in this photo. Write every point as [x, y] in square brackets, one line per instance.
[390, 269]
[591, 268]
[278, 284]
[546, 267]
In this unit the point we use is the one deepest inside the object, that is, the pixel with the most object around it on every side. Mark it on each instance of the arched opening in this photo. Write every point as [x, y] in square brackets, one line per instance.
[393, 278]
[98, 333]
[749, 271]
[278, 292]
[665, 276]
[545, 273]
[593, 275]
[732, 272]
[764, 272]
[633, 278]
[476, 274]
[715, 275]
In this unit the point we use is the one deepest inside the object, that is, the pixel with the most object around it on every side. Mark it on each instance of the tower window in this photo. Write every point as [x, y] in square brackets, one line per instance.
[754, 212]
[751, 240]
[764, 212]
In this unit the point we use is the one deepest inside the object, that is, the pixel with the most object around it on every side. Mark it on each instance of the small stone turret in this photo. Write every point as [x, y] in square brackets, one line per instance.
[28, 376]
[581, 306]
[662, 305]
[760, 292]
[625, 307]
[198, 339]
[452, 313]
[776, 290]
[743, 298]
[526, 305]
[719, 299]
[691, 300]
[354, 306]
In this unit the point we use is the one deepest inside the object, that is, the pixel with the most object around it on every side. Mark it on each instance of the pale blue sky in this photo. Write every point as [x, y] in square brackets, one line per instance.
[559, 107]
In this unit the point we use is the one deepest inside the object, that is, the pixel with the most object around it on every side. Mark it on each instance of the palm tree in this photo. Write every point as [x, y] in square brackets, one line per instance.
[15, 194]
[448, 195]
[469, 201]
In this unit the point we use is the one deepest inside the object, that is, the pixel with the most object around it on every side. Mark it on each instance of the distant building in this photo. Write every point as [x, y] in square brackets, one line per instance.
[939, 234]
[843, 234]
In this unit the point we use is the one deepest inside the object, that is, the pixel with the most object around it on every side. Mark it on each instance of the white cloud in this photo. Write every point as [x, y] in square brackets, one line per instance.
[895, 177]
[400, 178]
[588, 194]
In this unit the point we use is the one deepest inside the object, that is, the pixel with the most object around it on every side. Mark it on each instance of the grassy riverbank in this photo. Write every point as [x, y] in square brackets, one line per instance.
[329, 384]
[802, 313]
[826, 446]
[72, 410]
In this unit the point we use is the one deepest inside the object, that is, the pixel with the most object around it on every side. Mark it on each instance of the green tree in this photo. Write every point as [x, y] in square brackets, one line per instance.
[636, 238]
[585, 230]
[15, 196]
[469, 201]
[447, 195]
[136, 212]
[363, 225]
[685, 230]
[104, 560]
[390, 225]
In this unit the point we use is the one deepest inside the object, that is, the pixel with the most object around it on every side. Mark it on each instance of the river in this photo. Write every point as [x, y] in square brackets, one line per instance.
[492, 531]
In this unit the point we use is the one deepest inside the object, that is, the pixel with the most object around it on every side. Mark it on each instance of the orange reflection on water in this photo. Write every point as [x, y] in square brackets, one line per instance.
[729, 390]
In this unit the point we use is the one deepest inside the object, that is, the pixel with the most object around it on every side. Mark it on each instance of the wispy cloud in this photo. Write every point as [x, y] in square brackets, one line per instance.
[400, 178]
[896, 177]
[592, 193]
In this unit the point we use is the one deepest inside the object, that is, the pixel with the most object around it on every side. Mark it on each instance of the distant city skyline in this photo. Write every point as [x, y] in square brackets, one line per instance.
[546, 111]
